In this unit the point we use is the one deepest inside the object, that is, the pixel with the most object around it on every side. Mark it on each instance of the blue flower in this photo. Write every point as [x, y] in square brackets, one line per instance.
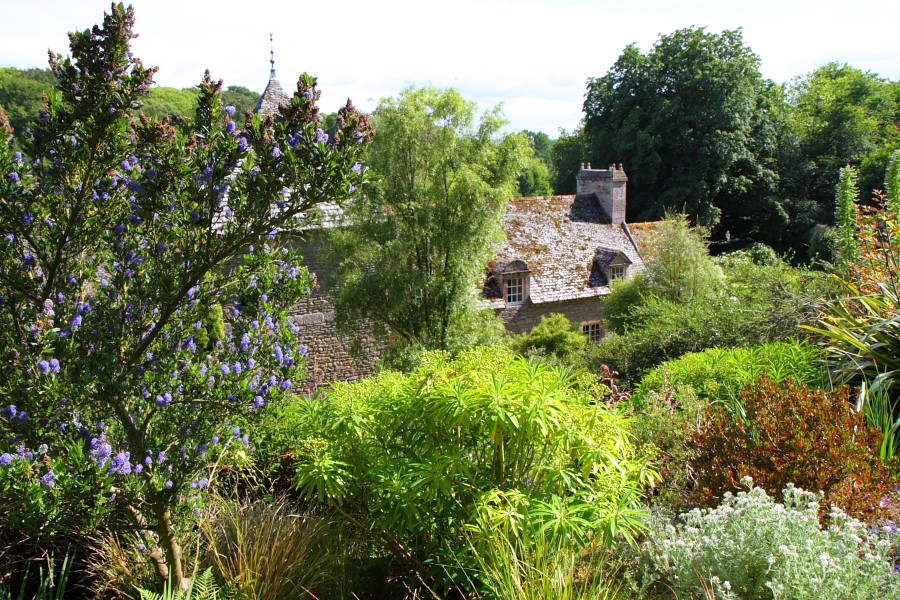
[54, 365]
[100, 450]
[276, 152]
[229, 127]
[229, 110]
[141, 548]
[49, 479]
[242, 144]
[43, 366]
[321, 136]
[168, 484]
[356, 168]
[75, 322]
[14, 176]
[5, 458]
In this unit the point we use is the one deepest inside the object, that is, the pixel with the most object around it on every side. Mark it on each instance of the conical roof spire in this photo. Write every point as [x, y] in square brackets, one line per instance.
[271, 57]
[274, 95]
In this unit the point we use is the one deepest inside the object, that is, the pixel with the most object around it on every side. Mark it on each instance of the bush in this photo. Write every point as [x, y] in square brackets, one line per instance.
[758, 303]
[414, 460]
[790, 433]
[555, 335]
[719, 374]
[671, 400]
[752, 547]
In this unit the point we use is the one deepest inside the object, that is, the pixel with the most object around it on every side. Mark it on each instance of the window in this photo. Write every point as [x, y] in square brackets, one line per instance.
[616, 272]
[593, 331]
[515, 290]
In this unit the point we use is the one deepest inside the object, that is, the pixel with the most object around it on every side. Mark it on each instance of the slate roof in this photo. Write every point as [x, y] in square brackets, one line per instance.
[565, 241]
[272, 97]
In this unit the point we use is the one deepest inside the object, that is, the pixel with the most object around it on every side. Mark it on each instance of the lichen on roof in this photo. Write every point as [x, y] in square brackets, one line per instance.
[559, 237]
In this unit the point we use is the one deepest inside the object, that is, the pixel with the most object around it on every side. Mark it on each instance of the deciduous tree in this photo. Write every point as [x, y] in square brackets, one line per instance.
[684, 119]
[418, 242]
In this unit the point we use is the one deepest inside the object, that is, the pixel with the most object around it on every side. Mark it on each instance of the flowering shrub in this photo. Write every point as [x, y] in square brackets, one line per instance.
[118, 243]
[753, 547]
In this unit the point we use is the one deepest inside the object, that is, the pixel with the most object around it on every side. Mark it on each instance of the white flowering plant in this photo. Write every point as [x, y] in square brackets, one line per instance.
[751, 546]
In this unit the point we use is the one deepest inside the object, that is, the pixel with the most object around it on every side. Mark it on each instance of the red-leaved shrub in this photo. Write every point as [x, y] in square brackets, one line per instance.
[791, 433]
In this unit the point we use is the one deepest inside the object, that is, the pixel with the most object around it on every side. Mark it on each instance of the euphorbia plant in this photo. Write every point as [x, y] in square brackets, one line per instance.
[120, 238]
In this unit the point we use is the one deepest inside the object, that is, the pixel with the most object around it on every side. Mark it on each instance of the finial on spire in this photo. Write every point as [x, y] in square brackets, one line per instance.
[271, 57]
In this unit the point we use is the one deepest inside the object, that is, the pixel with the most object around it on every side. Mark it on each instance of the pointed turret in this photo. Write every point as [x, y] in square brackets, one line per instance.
[274, 95]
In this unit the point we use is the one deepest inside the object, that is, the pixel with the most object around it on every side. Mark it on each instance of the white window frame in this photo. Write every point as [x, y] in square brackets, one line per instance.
[593, 330]
[617, 271]
[515, 290]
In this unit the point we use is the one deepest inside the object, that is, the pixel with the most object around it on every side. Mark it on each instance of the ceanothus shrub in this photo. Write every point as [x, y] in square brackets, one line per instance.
[119, 237]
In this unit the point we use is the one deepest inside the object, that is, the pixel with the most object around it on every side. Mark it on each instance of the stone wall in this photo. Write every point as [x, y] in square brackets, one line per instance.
[522, 318]
[332, 355]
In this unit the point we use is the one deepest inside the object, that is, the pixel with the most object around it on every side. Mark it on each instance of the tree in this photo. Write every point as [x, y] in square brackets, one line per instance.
[838, 116]
[570, 151]
[117, 233]
[418, 242]
[20, 95]
[535, 179]
[684, 119]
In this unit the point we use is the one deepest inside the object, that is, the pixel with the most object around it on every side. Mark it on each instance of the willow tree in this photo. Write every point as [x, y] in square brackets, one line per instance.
[418, 243]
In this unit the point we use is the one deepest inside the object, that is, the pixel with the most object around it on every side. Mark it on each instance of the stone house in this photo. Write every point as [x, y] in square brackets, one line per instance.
[561, 253]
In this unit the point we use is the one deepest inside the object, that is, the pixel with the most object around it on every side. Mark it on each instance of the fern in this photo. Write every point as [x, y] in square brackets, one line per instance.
[202, 587]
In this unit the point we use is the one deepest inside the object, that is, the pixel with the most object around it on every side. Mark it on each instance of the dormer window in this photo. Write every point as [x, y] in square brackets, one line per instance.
[515, 290]
[516, 283]
[616, 272]
[609, 265]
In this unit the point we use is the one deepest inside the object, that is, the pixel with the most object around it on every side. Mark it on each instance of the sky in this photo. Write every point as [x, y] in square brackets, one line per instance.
[532, 56]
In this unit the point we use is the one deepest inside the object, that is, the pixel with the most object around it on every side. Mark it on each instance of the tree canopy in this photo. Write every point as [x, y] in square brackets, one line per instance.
[685, 120]
[420, 239]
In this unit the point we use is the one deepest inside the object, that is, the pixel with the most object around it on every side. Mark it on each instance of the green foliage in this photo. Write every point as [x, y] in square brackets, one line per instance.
[170, 102]
[670, 402]
[49, 585]
[555, 335]
[719, 374]
[535, 178]
[839, 115]
[678, 270]
[845, 218]
[417, 459]
[781, 433]
[752, 547]
[510, 567]
[202, 587]
[685, 119]
[418, 242]
[740, 299]
[569, 152]
[21, 94]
